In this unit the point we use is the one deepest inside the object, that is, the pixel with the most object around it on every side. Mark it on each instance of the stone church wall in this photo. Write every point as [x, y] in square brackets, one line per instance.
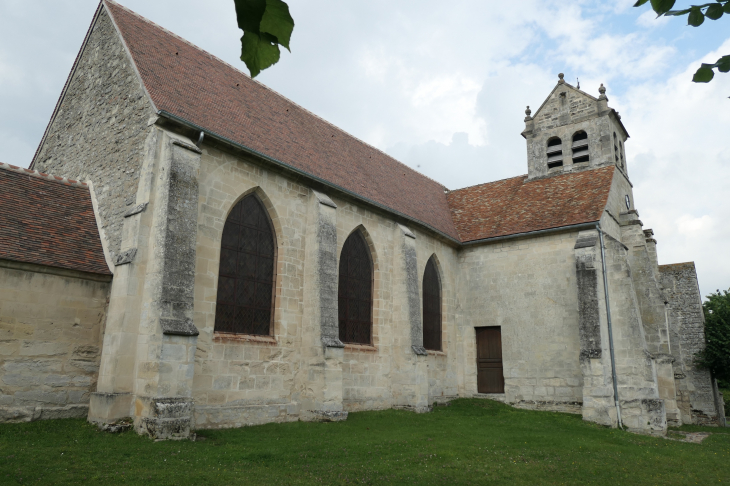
[50, 338]
[528, 288]
[697, 395]
[99, 128]
[247, 379]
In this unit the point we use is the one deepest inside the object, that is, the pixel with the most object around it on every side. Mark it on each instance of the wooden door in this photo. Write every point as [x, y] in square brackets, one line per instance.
[490, 377]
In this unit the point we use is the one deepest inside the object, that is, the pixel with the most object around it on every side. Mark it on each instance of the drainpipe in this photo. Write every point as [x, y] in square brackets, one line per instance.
[610, 329]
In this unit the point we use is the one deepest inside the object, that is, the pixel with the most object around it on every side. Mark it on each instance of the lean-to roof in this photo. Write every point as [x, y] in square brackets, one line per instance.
[515, 205]
[48, 221]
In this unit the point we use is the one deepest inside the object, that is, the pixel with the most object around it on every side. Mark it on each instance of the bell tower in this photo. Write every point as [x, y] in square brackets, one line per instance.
[573, 131]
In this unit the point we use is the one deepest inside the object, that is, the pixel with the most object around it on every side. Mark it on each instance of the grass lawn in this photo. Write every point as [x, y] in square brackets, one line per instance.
[470, 442]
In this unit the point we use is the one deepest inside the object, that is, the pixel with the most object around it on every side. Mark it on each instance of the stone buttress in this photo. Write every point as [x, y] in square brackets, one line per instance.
[320, 397]
[147, 362]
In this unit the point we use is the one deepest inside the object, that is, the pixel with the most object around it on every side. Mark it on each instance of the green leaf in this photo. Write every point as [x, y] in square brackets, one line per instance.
[259, 51]
[662, 6]
[723, 64]
[278, 22]
[704, 74]
[249, 14]
[640, 3]
[696, 17]
[726, 8]
[676, 13]
[714, 11]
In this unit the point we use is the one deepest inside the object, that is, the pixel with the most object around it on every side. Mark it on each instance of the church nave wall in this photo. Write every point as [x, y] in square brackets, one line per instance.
[527, 287]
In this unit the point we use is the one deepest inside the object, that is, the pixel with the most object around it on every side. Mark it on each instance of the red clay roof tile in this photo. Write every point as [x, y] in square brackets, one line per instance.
[191, 84]
[200, 88]
[47, 222]
[512, 206]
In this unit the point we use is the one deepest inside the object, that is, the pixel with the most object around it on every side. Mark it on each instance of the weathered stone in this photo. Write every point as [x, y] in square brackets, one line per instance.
[90, 137]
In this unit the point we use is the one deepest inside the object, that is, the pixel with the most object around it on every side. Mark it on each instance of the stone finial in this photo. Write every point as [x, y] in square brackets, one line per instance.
[561, 76]
[602, 90]
[528, 112]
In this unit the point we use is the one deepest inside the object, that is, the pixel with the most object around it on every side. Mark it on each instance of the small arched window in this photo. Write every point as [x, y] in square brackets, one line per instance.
[580, 147]
[431, 307]
[554, 153]
[355, 291]
[246, 271]
[615, 147]
[621, 153]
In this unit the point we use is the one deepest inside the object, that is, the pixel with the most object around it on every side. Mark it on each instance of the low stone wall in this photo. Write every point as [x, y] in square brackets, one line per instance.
[50, 338]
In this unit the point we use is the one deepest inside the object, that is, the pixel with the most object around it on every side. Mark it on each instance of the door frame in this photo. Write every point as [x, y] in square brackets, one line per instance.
[476, 345]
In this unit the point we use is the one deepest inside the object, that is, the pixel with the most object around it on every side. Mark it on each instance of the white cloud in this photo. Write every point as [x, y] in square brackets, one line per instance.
[649, 20]
[443, 86]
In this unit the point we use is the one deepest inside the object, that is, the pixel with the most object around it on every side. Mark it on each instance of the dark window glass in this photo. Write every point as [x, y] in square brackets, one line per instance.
[355, 291]
[431, 307]
[246, 271]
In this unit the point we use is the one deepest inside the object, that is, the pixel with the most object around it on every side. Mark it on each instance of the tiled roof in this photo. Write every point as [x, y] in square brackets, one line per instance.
[514, 205]
[49, 221]
[189, 83]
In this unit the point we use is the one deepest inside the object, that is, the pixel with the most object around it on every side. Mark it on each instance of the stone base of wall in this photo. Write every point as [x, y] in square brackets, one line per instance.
[164, 417]
[413, 408]
[366, 405]
[547, 406]
[644, 416]
[237, 415]
[31, 413]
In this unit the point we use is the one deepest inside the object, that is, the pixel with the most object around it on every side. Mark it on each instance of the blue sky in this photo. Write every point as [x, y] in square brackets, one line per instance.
[442, 86]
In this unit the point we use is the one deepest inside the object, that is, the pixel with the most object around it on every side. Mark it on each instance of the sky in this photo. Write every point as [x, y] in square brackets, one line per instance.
[443, 86]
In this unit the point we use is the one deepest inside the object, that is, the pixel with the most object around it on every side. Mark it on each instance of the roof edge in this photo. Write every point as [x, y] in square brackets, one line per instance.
[66, 84]
[51, 270]
[559, 84]
[527, 234]
[228, 141]
[47, 177]
[259, 83]
[127, 51]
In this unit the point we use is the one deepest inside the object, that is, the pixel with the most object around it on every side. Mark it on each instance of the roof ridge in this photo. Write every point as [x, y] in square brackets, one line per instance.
[485, 183]
[216, 58]
[40, 175]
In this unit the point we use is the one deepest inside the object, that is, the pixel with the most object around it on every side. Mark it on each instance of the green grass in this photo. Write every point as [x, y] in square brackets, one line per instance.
[469, 442]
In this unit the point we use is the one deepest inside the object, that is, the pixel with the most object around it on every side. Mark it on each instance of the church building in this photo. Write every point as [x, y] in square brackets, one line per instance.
[192, 250]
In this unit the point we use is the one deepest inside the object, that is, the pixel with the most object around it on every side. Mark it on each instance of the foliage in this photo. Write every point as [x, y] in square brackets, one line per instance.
[696, 15]
[469, 442]
[716, 355]
[266, 25]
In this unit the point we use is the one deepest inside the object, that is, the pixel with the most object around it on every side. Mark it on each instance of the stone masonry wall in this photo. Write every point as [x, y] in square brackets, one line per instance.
[242, 380]
[565, 112]
[99, 130]
[248, 379]
[695, 387]
[50, 337]
[445, 368]
[527, 287]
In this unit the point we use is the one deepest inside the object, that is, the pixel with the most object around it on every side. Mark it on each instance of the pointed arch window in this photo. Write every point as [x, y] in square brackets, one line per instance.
[355, 291]
[431, 307]
[580, 147]
[554, 153]
[246, 273]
